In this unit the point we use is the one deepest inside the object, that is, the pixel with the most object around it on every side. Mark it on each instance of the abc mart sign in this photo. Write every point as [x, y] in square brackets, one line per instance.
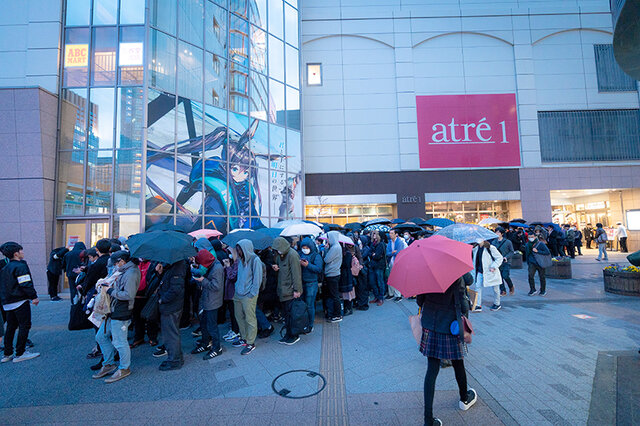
[468, 131]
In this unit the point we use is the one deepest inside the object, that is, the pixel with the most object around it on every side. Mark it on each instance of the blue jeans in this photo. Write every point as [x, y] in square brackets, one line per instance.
[112, 336]
[263, 322]
[209, 328]
[310, 293]
[376, 280]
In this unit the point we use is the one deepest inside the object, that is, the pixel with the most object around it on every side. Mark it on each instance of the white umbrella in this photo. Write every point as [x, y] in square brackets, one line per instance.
[300, 229]
[344, 239]
[490, 221]
[283, 224]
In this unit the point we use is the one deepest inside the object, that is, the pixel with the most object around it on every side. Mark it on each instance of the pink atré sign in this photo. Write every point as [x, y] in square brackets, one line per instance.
[468, 131]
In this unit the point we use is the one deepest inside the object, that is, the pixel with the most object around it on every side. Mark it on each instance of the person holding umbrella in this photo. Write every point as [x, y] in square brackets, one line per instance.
[171, 292]
[505, 247]
[487, 260]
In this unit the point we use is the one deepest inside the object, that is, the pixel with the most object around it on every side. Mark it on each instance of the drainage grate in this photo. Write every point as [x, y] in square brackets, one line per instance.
[298, 384]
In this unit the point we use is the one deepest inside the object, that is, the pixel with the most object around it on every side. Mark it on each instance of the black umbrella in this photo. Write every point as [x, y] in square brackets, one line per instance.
[354, 226]
[519, 220]
[533, 224]
[407, 227]
[417, 221]
[165, 227]
[162, 246]
[397, 221]
[326, 227]
[260, 240]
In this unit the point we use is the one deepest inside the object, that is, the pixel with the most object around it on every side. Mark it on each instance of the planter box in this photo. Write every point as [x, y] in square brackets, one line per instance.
[559, 270]
[622, 282]
[516, 261]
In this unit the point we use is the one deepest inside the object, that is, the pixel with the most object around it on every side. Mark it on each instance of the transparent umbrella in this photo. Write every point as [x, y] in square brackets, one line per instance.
[466, 233]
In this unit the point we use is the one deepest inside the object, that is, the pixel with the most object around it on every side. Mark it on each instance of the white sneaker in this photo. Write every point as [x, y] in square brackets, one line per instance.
[230, 336]
[26, 356]
[7, 358]
[472, 397]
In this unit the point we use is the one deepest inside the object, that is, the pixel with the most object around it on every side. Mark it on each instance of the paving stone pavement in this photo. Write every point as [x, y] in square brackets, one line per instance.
[533, 362]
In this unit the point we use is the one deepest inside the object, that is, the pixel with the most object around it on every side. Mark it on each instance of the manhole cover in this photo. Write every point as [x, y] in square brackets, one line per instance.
[297, 384]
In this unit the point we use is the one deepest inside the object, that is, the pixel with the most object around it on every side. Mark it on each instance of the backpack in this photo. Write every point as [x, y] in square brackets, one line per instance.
[299, 317]
[602, 238]
[355, 266]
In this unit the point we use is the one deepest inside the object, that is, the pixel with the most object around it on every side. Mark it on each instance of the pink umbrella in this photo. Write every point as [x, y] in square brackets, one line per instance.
[430, 265]
[205, 233]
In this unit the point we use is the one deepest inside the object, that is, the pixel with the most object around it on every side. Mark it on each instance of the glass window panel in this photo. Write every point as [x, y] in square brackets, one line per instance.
[293, 3]
[215, 129]
[130, 119]
[276, 58]
[155, 219]
[128, 181]
[105, 12]
[239, 40]
[126, 225]
[275, 18]
[216, 29]
[99, 175]
[78, 12]
[259, 96]
[160, 190]
[190, 72]
[103, 63]
[162, 65]
[101, 115]
[260, 188]
[189, 126]
[215, 83]
[314, 74]
[239, 135]
[277, 146]
[294, 158]
[276, 102]
[222, 3]
[293, 67]
[131, 12]
[293, 108]
[189, 187]
[294, 191]
[161, 121]
[131, 55]
[260, 143]
[76, 56]
[277, 194]
[258, 49]
[239, 7]
[216, 197]
[70, 182]
[238, 88]
[73, 122]
[162, 15]
[258, 13]
[291, 25]
[191, 21]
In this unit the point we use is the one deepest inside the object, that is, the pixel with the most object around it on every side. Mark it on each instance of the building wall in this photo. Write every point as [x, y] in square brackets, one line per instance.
[29, 43]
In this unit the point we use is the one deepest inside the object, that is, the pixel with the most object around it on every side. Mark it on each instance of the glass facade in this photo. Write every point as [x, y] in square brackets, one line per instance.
[187, 114]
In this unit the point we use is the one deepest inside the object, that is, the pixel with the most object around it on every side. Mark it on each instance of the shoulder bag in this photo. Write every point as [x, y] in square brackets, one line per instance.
[464, 323]
[544, 260]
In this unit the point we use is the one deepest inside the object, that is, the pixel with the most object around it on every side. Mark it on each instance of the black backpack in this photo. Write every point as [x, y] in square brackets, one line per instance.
[299, 317]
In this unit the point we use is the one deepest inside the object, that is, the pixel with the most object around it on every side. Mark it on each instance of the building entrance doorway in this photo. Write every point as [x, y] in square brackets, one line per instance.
[88, 231]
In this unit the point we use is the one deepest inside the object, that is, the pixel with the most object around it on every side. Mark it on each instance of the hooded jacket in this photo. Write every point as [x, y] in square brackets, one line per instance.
[172, 286]
[289, 273]
[333, 257]
[123, 292]
[311, 273]
[220, 253]
[249, 272]
[95, 271]
[55, 260]
[346, 277]
[378, 256]
[204, 244]
[212, 287]
[72, 260]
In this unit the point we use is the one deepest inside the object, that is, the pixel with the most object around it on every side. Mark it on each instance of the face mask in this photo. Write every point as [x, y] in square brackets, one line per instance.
[532, 239]
[406, 236]
[306, 251]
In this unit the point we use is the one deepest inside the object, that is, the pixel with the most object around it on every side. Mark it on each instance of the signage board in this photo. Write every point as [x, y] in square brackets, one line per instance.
[130, 54]
[76, 55]
[467, 131]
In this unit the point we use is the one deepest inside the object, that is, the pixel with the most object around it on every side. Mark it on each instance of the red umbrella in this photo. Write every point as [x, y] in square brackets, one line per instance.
[205, 233]
[430, 265]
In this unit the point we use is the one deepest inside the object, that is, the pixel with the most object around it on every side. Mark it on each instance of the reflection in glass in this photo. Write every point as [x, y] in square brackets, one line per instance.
[277, 146]
[293, 3]
[104, 12]
[76, 56]
[162, 15]
[130, 119]
[259, 96]
[186, 168]
[215, 130]
[99, 176]
[293, 67]
[275, 18]
[239, 134]
[276, 58]
[239, 40]
[70, 182]
[190, 21]
[239, 7]
[215, 29]
[295, 201]
[160, 192]
[73, 121]
[161, 121]
[278, 198]
[78, 12]
[103, 63]
[189, 71]
[293, 108]
[260, 144]
[162, 65]
[258, 13]
[126, 225]
[131, 12]
[291, 25]
[294, 164]
[215, 83]
[156, 219]
[238, 88]
[258, 49]
[128, 181]
[189, 126]
[101, 115]
[131, 55]
[276, 102]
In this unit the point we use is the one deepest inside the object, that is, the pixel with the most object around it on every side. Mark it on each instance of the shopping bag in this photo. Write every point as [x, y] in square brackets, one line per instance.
[415, 321]
[78, 318]
[151, 309]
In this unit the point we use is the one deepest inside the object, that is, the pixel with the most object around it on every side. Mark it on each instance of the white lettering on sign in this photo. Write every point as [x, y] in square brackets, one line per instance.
[480, 132]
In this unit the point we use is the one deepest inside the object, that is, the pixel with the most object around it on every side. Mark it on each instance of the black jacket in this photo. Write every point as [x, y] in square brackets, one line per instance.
[16, 283]
[55, 264]
[95, 271]
[72, 260]
[378, 256]
[346, 277]
[172, 287]
[439, 309]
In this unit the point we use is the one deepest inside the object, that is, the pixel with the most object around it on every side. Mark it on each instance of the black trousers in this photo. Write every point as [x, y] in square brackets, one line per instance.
[334, 307]
[140, 325]
[17, 319]
[286, 305]
[623, 245]
[362, 288]
[433, 368]
[571, 249]
[533, 268]
[171, 336]
[588, 242]
[53, 281]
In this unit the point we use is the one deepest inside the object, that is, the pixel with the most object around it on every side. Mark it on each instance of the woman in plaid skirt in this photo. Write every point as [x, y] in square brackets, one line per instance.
[438, 343]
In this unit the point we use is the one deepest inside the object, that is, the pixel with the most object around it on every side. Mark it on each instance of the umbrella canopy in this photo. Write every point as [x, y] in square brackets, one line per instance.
[397, 221]
[555, 226]
[326, 227]
[418, 221]
[378, 221]
[466, 233]
[272, 232]
[378, 227]
[439, 221]
[430, 266]
[162, 246]
[300, 229]
[407, 227]
[205, 233]
[288, 222]
[354, 226]
[519, 220]
[489, 221]
[518, 225]
[533, 224]
[164, 227]
[260, 240]
[341, 239]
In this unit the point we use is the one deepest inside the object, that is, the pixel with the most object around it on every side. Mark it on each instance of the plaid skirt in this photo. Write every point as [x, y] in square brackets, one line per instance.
[440, 346]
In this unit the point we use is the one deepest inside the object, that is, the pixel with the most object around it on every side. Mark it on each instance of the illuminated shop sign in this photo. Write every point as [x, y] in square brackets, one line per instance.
[130, 54]
[76, 55]
[468, 131]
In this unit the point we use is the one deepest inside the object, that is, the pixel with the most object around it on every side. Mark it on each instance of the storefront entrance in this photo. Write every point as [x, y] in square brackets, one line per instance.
[87, 231]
